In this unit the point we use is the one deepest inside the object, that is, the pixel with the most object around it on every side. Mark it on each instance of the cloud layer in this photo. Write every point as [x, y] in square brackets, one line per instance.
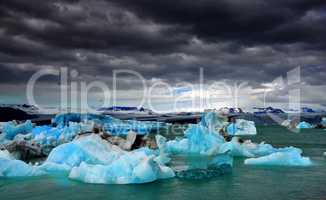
[253, 41]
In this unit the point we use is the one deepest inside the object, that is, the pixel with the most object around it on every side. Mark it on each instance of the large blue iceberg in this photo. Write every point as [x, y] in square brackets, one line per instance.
[94, 160]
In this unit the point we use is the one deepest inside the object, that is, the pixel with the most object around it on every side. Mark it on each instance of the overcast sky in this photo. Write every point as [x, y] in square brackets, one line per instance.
[253, 41]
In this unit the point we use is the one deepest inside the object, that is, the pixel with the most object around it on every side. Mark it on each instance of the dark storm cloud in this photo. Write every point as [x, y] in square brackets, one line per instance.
[253, 40]
[251, 21]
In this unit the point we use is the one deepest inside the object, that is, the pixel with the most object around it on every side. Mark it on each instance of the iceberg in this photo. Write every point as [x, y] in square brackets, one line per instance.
[135, 167]
[93, 160]
[304, 125]
[163, 157]
[48, 135]
[201, 140]
[213, 121]
[204, 138]
[10, 167]
[286, 123]
[198, 140]
[245, 127]
[323, 122]
[11, 129]
[251, 150]
[290, 157]
[232, 129]
[111, 125]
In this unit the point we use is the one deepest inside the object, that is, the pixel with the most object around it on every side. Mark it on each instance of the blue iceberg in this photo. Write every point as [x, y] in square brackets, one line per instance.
[111, 125]
[11, 129]
[288, 157]
[198, 140]
[323, 122]
[304, 125]
[245, 127]
[10, 167]
[93, 160]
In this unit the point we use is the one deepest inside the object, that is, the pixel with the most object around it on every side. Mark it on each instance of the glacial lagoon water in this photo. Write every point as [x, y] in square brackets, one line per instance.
[244, 182]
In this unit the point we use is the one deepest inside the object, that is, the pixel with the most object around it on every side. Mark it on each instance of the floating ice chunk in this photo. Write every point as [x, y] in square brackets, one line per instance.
[110, 124]
[199, 140]
[241, 127]
[213, 121]
[291, 157]
[90, 149]
[235, 148]
[131, 167]
[5, 154]
[304, 125]
[68, 154]
[231, 129]
[250, 149]
[261, 149]
[54, 168]
[15, 168]
[48, 135]
[323, 122]
[9, 167]
[11, 129]
[286, 123]
[163, 157]
[245, 127]
[94, 160]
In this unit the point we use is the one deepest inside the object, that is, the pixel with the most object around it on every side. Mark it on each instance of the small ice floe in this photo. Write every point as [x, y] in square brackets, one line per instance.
[290, 157]
[286, 123]
[323, 122]
[304, 125]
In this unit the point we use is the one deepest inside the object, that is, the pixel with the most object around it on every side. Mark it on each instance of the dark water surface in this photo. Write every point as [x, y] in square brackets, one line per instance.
[245, 182]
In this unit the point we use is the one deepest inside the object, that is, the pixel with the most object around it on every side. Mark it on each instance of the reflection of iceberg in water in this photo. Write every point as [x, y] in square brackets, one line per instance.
[201, 167]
